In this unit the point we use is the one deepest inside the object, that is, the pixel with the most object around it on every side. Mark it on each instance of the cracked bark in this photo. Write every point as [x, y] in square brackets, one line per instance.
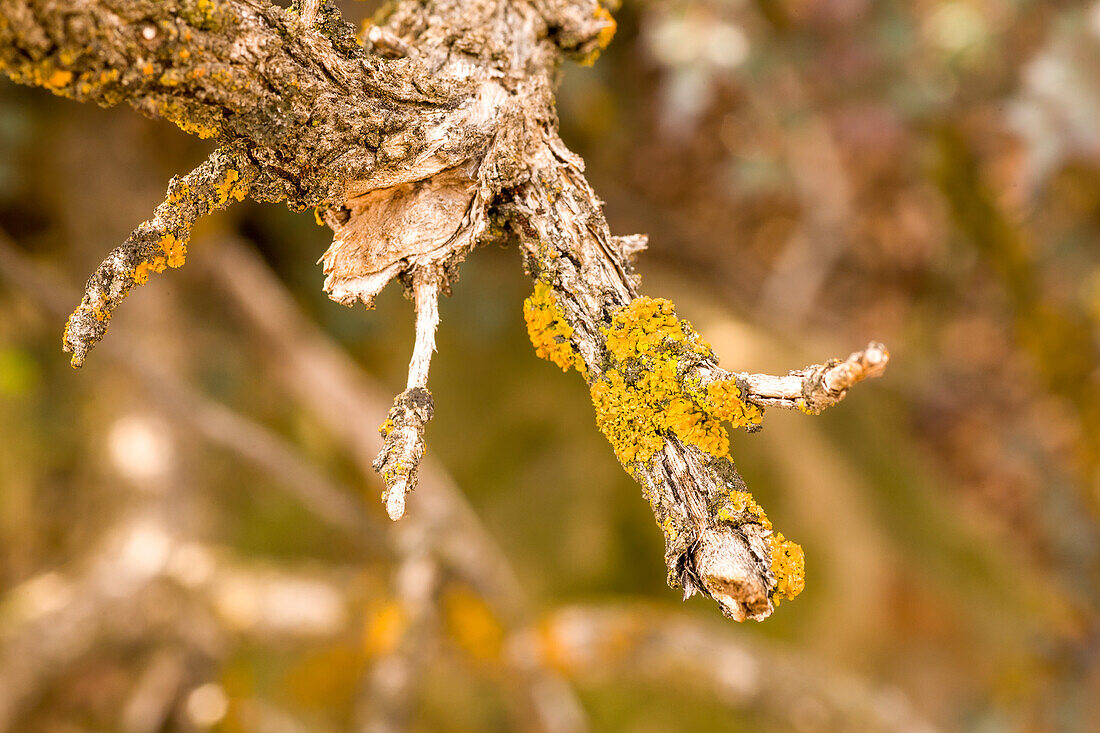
[440, 136]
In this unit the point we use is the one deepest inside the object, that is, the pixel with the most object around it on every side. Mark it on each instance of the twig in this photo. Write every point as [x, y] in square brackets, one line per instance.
[403, 431]
[816, 387]
[257, 444]
[159, 243]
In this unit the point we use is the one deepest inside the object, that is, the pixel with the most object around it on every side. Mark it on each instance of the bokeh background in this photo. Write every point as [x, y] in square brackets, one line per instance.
[191, 537]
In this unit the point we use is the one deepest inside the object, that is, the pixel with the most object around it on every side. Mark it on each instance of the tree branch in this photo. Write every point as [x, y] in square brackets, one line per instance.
[413, 161]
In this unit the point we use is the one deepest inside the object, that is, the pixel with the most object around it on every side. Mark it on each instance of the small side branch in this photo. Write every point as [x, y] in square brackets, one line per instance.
[157, 244]
[816, 387]
[403, 431]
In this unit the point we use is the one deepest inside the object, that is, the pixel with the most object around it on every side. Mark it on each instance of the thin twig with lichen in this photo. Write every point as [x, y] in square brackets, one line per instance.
[157, 244]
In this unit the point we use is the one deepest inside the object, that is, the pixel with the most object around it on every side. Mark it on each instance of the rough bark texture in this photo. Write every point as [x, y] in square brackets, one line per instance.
[437, 134]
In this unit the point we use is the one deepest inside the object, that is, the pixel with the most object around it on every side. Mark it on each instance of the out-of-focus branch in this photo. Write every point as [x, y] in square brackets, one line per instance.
[388, 697]
[617, 641]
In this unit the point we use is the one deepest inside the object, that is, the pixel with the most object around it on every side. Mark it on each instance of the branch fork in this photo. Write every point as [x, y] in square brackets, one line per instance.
[441, 136]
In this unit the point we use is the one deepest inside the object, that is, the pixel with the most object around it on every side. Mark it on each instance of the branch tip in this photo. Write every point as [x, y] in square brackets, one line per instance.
[816, 387]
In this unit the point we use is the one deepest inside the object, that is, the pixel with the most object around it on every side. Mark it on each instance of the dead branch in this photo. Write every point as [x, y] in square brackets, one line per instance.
[413, 161]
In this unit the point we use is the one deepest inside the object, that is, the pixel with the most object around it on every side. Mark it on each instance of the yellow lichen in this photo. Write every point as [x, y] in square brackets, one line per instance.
[603, 38]
[643, 398]
[550, 333]
[195, 128]
[724, 399]
[788, 567]
[224, 189]
[179, 193]
[788, 560]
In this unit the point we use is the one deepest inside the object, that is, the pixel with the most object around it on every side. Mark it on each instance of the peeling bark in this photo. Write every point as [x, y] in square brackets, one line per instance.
[434, 134]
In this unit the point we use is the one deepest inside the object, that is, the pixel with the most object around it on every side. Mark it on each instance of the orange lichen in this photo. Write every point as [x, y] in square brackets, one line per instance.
[144, 269]
[642, 398]
[225, 189]
[58, 79]
[550, 333]
[175, 250]
[174, 254]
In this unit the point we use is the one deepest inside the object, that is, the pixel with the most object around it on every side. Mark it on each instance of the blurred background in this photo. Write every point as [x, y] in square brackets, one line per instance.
[191, 536]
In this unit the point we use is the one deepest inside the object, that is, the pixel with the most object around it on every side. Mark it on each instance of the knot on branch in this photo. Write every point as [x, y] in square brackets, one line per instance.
[403, 447]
